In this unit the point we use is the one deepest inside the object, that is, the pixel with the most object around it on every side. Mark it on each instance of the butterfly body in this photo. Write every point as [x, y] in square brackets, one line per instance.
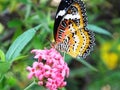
[70, 32]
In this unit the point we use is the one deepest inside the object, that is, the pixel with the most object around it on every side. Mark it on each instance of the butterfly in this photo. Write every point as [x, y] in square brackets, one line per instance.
[70, 29]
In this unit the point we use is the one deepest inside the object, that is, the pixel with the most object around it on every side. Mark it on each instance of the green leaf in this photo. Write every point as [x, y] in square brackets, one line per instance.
[4, 67]
[81, 72]
[20, 43]
[1, 28]
[98, 30]
[14, 23]
[116, 21]
[1, 77]
[31, 85]
[63, 88]
[109, 78]
[2, 56]
[86, 64]
[20, 58]
[28, 9]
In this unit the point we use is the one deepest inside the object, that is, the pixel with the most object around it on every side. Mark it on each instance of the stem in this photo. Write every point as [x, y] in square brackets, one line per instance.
[28, 87]
[64, 55]
[80, 59]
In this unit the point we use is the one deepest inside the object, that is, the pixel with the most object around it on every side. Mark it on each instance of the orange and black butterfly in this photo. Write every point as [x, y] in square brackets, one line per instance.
[70, 29]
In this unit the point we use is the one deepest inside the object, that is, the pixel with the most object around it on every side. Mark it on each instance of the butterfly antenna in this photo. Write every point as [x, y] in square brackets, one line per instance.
[51, 43]
[49, 40]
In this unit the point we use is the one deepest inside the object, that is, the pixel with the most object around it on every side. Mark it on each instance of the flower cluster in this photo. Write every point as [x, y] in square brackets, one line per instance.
[50, 69]
[109, 55]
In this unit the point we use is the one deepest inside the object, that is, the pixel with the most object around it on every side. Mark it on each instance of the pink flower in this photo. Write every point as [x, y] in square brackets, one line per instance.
[50, 70]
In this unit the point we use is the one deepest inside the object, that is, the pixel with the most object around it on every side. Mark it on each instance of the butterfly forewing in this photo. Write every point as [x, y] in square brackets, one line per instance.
[61, 11]
[73, 12]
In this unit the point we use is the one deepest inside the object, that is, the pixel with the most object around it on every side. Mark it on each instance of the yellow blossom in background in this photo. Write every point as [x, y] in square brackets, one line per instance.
[108, 55]
[110, 59]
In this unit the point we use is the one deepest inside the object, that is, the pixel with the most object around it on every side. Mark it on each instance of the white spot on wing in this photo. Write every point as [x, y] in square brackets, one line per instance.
[71, 28]
[61, 13]
[83, 41]
[70, 16]
[76, 38]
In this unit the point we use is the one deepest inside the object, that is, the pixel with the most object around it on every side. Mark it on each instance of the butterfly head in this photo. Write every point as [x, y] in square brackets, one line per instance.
[54, 45]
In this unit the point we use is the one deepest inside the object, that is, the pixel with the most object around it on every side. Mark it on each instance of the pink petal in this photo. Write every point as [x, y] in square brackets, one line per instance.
[29, 68]
[35, 65]
[40, 83]
[47, 74]
[47, 67]
[41, 77]
[30, 75]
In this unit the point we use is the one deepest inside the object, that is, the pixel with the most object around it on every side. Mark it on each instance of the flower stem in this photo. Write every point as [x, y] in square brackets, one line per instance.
[28, 87]
[64, 55]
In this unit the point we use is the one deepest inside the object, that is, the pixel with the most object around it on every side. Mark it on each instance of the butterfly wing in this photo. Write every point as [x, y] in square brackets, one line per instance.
[61, 11]
[80, 44]
[70, 32]
[69, 11]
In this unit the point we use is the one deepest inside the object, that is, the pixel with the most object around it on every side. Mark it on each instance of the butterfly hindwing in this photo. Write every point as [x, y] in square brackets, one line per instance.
[78, 43]
[81, 43]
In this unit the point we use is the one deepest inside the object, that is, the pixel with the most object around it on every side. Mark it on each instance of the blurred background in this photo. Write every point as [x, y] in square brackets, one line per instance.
[17, 16]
